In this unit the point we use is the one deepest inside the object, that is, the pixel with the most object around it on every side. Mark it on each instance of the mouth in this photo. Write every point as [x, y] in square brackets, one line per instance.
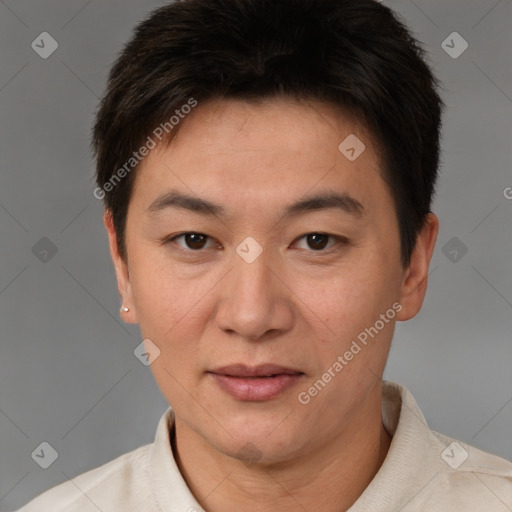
[255, 384]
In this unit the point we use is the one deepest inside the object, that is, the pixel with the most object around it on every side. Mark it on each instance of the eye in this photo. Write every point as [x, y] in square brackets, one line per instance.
[192, 241]
[319, 241]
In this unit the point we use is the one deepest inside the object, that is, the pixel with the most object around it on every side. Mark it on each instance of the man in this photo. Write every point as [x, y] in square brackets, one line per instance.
[267, 169]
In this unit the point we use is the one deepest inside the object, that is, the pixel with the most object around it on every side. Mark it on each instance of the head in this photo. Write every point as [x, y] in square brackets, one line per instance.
[297, 143]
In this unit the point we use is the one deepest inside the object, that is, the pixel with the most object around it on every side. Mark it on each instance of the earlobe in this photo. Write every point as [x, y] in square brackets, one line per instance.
[414, 286]
[122, 274]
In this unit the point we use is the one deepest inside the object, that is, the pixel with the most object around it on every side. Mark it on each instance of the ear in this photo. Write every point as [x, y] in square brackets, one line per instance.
[414, 284]
[122, 273]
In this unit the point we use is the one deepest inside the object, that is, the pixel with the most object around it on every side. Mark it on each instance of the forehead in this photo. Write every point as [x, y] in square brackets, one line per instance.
[279, 124]
[246, 153]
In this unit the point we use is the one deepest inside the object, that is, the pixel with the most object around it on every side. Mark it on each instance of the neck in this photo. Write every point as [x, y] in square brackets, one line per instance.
[330, 479]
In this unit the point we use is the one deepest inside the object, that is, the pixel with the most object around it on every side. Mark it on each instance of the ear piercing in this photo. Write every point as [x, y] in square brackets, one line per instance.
[125, 309]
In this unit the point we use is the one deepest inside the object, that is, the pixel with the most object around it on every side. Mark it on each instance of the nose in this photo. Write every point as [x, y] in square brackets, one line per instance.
[255, 303]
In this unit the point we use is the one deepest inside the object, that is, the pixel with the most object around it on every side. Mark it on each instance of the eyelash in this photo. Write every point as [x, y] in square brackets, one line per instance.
[339, 241]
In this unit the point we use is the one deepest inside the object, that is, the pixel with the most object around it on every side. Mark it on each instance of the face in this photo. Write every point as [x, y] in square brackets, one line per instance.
[265, 266]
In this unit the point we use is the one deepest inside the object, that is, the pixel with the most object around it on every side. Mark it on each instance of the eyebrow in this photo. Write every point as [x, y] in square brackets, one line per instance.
[343, 202]
[174, 199]
[322, 201]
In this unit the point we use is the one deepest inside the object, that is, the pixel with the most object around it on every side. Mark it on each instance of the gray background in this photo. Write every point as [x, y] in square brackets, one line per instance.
[68, 375]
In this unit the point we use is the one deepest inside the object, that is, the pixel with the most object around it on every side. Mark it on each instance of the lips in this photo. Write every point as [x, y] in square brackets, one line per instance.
[257, 383]
[264, 370]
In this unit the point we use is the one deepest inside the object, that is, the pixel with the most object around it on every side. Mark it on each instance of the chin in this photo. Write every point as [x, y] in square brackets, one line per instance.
[255, 452]
[254, 442]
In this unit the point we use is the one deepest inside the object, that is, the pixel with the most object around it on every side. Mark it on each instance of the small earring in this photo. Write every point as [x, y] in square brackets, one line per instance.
[125, 309]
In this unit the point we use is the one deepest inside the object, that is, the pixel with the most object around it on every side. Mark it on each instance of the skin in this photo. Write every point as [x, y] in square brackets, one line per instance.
[294, 305]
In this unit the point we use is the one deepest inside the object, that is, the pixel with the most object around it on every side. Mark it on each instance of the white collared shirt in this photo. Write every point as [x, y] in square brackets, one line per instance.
[423, 471]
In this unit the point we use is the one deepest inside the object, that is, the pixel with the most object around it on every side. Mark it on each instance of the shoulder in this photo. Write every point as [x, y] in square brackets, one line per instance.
[470, 479]
[434, 471]
[112, 486]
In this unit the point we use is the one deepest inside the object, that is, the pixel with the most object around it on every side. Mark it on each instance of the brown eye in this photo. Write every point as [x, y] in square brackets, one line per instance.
[195, 240]
[320, 242]
[317, 241]
[192, 241]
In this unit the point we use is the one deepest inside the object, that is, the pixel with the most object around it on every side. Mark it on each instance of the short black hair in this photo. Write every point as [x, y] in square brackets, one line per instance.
[355, 55]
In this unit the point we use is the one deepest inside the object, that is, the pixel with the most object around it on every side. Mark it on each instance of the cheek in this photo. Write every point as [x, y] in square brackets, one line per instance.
[160, 295]
[173, 312]
[350, 308]
[348, 300]
[164, 305]
[171, 316]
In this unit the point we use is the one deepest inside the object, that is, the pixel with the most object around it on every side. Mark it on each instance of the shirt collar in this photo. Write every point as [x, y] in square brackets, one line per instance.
[411, 461]
[169, 486]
